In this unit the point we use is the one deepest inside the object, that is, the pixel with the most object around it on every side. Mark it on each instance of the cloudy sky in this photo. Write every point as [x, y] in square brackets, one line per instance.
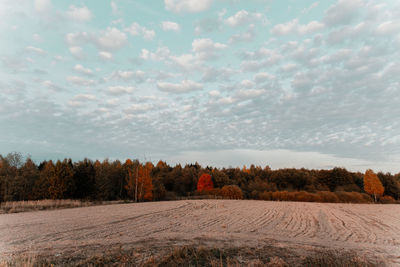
[223, 82]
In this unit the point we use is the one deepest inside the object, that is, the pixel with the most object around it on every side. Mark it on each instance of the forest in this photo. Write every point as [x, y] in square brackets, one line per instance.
[22, 179]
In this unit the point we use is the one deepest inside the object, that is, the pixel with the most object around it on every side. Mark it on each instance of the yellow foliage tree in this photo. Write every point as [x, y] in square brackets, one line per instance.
[139, 184]
[372, 184]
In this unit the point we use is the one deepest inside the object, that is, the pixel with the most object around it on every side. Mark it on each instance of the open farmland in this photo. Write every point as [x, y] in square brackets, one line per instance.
[372, 230]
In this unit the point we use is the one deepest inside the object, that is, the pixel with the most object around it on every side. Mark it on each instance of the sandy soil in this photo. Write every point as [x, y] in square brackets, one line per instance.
[370, 229]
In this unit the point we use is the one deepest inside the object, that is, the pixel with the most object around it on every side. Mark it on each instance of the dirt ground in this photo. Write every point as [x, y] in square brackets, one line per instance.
[373, 230]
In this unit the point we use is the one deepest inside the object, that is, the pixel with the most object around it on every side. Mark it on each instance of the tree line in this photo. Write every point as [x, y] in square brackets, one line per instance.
[23, 179]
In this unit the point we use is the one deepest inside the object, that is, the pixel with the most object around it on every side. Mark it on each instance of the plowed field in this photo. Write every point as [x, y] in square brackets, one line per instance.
[369, 229]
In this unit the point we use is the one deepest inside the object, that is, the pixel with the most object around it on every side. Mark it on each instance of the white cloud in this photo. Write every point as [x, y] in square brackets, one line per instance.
[81, 100]
[308, 9]
[211, 24]
[342, 12]
[76, 39]
[246, 36]
[136, 29]
[162, 53]
[191, 6]
[114, 7]
[79, 68]
[112, 39]
[108, 40]
[84, 97]
[82, 14]
[36, 37]
[170, 26]
[262, 77]
[247, 84]
[214, 93]
[293, 27]
[388, 27]
[289, 67]
[185, 61]
[76, 52]
[43, 5]
[35, 50]
[206, 49]
[184, 87]
[49, 84]
[80, 81]
[105, 55]
[138, 108]
[120, 90]
[249, 93]
[127, 75]
[243, 17]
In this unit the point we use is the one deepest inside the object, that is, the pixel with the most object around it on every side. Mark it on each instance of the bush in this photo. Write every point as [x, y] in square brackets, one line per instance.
[387, 200]
[306, 197]
[265, 196]
[350, 197]
[328, 197]
[231, 192]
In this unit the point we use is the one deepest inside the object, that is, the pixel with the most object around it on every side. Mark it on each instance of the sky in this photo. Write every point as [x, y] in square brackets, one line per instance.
[285, 83]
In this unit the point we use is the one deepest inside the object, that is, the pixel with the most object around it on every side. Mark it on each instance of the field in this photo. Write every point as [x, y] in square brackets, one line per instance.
[371, 231]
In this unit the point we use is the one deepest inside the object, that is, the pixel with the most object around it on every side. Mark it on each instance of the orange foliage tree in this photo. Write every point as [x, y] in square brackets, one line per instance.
[205, 183]
[145, 183]
[372, 184]
[139, 184]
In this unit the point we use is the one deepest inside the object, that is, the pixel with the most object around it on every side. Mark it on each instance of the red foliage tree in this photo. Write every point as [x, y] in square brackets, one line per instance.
[205, 183]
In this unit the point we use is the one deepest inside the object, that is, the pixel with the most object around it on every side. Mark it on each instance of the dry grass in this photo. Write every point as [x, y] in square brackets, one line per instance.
[203, 256]
[49, 204]
[45, 204]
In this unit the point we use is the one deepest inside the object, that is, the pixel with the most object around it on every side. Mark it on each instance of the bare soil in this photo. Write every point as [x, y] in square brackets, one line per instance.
[371, 230]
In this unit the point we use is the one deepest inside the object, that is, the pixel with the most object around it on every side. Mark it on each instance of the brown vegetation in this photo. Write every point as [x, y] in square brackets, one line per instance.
[322, 196]
[49, 204]
[132, 180]
[203, 256]
[231, 192]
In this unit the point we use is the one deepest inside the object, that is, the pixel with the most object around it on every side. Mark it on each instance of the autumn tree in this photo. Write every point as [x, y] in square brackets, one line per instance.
[28, 174]
[372, 184]
[46, 184]
[205, 183]
[138, 180]
[145, 185]
[59, 178]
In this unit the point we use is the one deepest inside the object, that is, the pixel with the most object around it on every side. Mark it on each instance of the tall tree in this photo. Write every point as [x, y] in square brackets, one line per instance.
[145, 185]
[205, 183]
[372, 184]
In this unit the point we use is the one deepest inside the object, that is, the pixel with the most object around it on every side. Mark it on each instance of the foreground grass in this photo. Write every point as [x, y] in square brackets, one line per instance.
[202, 256]
[49, 204]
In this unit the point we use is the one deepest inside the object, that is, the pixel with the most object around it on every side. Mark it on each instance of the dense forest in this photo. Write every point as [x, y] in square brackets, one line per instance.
[22, 179]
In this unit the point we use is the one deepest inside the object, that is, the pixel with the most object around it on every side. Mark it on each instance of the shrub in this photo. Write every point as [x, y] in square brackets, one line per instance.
[265, 196]
[387, 200]
[350, 197]
[328, 197]
[231, 192]
[306, 197]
